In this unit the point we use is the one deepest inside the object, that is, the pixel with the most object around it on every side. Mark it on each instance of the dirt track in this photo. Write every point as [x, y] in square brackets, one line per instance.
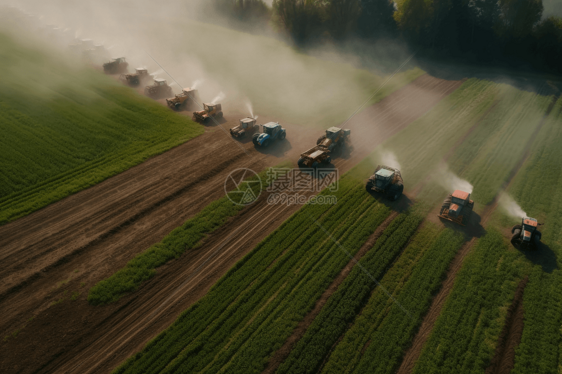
[72, 244]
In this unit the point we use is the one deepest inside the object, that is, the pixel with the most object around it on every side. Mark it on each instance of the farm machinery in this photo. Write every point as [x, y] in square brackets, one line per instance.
[158, 89]
[272, 131]
[327, 144]
[246, 127]
[187, 98]
[139, 77]
[116, 66]
[526, 235]
[457, 207]
[386, 180]
[209, 111]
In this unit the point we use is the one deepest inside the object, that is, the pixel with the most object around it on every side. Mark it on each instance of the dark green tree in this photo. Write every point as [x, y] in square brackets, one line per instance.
[341, 17]
[300, 19]
[376, 19]
[519, 16]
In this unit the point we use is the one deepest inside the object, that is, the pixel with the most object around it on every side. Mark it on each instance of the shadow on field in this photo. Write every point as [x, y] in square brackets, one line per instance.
[401, 205]
[277, 149]
[543, 256]
[523, 80]
[473, 229]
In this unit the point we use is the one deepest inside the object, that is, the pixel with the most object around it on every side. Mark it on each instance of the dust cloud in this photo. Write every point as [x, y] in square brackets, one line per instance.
[450, 181]
[171, 42]
[509, 205]
[385, 157]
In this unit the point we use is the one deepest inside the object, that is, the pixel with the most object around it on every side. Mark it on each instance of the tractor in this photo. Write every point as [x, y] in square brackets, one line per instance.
[116, 66]
[314, 157]
[209, 111]
[272, 131]
[326, 145]
[334, 139]
[457, 208]
[158, 89]
[188, 97]
[246, 127]
[139, 77]
[386, 180]
[526, 235]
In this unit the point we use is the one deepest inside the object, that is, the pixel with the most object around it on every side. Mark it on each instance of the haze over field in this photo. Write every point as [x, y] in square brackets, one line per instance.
[169, 40]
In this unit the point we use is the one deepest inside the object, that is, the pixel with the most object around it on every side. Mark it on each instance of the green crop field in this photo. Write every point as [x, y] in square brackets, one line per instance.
[66, 128]
[361, 328]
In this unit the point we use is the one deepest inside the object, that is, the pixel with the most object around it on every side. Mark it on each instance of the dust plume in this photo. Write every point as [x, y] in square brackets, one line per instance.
[250, 109]
[450, 181]
[509, 205]
[388, 158]
[218, 98]
[196, 83]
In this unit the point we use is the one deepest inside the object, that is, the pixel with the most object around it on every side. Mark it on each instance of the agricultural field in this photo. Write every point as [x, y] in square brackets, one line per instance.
[66, 128]
[367, 326]
[124, 252]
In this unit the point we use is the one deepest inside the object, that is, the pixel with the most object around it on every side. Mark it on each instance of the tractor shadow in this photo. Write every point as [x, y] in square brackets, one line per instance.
[473, 229]
[278, 148]
[401, 205]
[543, 256]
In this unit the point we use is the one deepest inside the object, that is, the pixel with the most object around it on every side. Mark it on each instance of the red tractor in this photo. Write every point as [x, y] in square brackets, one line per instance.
[526, 235]
[457, 207]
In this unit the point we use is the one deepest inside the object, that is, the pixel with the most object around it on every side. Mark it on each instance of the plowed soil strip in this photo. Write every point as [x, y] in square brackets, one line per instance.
[76, 337]
[303, 325]
[413, 353]
[510, 337]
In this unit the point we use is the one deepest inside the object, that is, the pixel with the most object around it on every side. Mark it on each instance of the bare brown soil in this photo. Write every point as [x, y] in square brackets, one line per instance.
[303, 325]
[510, 337]
[56, 254]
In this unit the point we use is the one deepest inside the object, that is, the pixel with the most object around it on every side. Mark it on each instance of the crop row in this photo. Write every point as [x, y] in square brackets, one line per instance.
[536, 189]
[89, 129]
[188, 236]
[465, 335]
[489, 153]
[347, 353]
[343, 305]
[253, 309]
[388, 342]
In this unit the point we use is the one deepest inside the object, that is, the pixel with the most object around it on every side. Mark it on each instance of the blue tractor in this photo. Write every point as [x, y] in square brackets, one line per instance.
[272, 131]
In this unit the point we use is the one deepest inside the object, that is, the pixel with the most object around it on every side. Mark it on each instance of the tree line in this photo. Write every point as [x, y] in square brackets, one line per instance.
[484, 31]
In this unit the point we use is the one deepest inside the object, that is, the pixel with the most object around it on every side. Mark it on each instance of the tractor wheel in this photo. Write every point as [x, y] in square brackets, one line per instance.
[255, 139]
[219, 115]
[315, 164]
[300, 162]
[327, 160]
[537, 239]
[320, 139]
[516, 227]
[515, 238]
[446, 203]
[282, 136]
[370, 185]
[466, 214]
[394, 192]
[265, 143]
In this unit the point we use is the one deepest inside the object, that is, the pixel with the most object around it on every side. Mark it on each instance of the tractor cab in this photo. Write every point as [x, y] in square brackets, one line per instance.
[141, 71]
[210, 107]
[160, 82]
[383, 177]
[247, 122]
[529, 226]
[332, 133]
[271, 128]
[87, 44]
[458, 200]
